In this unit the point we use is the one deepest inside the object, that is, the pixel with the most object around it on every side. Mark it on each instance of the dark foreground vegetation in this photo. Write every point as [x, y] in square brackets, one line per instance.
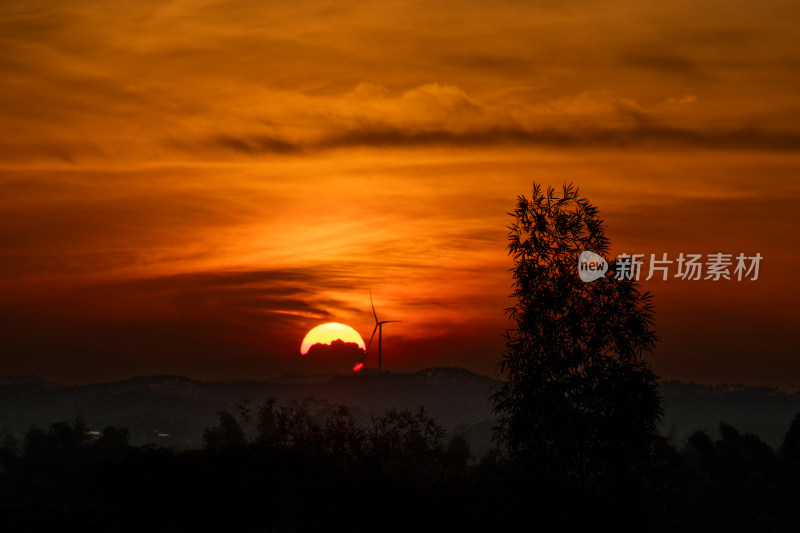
[311, 467]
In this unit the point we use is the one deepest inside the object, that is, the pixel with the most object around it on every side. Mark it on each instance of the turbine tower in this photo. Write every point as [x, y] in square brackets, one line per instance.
[379, 328]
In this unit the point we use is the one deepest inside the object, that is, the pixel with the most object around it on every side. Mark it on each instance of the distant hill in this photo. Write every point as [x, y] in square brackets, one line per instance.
[26, 380]
[181, 407]
[174, 410]
[765, 411]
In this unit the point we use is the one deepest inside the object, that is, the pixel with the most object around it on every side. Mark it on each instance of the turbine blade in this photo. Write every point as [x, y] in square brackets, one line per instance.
[387, 321]
[373, 306]
[370, 339]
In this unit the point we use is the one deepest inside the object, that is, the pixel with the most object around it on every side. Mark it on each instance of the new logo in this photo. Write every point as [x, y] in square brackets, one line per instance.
[591, 266]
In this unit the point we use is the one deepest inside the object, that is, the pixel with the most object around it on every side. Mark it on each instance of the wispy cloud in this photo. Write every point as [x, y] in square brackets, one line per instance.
[204, 80]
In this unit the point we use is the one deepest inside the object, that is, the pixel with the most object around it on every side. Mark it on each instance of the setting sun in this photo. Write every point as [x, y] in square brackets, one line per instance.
[327, 333]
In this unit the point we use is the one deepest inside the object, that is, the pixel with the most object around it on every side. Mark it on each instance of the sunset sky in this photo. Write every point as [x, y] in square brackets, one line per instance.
[188, 187]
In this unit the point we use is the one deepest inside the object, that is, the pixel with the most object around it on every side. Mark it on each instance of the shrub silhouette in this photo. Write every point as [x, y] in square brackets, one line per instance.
[458, 453]
[227, 434]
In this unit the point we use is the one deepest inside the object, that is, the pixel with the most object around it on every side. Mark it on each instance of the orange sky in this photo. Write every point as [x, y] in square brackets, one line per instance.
[189, 186]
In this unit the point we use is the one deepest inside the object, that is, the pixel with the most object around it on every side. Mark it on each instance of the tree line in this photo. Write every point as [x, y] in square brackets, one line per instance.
[309, 466]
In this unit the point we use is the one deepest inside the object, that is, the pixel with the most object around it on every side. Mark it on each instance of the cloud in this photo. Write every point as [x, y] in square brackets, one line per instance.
[190, 323]
[681, 100]
[338, 357]
[439, 115]
[253, 145]
[655, 136]
[674, 64]
[207, 80]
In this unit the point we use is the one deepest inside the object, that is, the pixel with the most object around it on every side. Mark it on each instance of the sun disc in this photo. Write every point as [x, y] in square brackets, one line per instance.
[327, 333]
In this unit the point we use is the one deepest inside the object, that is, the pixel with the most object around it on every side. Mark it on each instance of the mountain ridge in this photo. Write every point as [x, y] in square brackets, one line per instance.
[458, 398]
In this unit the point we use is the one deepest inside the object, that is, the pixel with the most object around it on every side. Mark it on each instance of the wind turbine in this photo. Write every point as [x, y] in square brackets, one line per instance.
[379, 328]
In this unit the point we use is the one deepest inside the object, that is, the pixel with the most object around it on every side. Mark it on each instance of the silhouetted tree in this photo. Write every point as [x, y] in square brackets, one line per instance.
[227, 434]
[578, 400]
[243, 407]
[311, 426]
[458, 454]
[790, 449]
[300, 425]
[8, 451]
[406, 442]
[267, 425]
[701, 448]
[113, 442]
[344, 437]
